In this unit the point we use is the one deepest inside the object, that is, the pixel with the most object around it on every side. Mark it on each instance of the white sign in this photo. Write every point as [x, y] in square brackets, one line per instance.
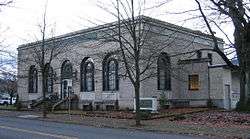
[148, 104]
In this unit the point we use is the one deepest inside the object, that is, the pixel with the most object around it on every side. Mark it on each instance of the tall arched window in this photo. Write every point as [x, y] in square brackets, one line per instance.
[49, 79]
[66, 78]
[66, 70]
[164, 72]
[33, 78]
[87, 75]
[110, 74]
[112, 71]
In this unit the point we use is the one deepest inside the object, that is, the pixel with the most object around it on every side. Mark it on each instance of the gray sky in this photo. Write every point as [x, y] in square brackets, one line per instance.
[21, 20]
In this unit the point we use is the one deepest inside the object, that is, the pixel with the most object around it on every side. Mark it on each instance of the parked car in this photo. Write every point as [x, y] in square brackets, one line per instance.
[13, 100]
[5, 100]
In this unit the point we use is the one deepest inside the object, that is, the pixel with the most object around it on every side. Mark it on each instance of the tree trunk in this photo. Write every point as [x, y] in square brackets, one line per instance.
[242, 86]
[137, 104]
[11, 97]
[247, 78]
[248, 88]
[238, 43]
[247, 72]
[44, 109]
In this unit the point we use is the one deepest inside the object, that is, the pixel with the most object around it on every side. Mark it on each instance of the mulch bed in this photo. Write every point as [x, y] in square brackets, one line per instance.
[189, 116]
[217, 118]
[131, 115]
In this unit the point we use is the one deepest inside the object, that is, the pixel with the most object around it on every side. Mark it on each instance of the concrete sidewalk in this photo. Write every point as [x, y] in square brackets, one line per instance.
[157, 125]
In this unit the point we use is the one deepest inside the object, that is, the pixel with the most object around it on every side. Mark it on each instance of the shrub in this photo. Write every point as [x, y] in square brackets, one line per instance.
[127, 109]
[210, 103]
[178, 117]
[18, 105]
[163, 101]
[145, 115]
[240, 106]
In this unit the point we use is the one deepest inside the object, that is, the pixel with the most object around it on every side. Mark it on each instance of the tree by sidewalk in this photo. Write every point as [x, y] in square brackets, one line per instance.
[140, 44]
[131, 35]
[215, 14]
[9, 84]
[8, 58]
[5, 3]
[44, 51]
[238, 13]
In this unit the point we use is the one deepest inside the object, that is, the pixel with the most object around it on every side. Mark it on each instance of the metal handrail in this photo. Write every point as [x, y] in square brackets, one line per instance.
[58, 103]
[40, 100]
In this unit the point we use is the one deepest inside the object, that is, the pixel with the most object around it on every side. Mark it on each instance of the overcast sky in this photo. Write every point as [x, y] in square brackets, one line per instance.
[19, 23]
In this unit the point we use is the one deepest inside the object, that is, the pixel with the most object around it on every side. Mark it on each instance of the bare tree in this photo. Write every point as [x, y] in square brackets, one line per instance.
[9, 84]
[42, 53]
[215, 14]
[4, 3]
[8, 58]
[237, 11]
[140, 44]
[131, 35]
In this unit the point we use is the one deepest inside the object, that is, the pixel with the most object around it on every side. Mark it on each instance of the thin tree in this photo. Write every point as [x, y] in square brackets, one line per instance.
[136, 56]
[43, 52]
[238, 13]
[4, 3]
[9, 84]
[140, 44]
[8, 58]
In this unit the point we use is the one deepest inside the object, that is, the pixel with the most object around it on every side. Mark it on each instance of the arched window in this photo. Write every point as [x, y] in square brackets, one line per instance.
[87, 75]
[164, 72]
[66, 78]
[110, 74]
[112, 71]
[49, 79]
[33, 78]
[66, 70]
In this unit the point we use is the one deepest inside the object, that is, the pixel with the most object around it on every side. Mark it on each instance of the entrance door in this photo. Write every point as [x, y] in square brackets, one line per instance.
[66, 78]
[66, 86]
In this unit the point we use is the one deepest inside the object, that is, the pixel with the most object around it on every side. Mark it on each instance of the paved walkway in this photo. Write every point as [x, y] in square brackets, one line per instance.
[160, 125]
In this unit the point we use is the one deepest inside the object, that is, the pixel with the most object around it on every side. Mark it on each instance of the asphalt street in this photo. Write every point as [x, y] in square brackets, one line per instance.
[20, 128]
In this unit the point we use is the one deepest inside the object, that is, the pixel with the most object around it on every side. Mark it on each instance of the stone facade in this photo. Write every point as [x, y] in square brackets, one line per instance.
[82, 44]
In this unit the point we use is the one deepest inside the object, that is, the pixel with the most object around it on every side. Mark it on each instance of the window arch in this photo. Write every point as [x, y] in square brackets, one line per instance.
[164, 72]
[33, 79]
[66, 77]
[67, 70]
[87, 75]
[110, 74]
[49, 79]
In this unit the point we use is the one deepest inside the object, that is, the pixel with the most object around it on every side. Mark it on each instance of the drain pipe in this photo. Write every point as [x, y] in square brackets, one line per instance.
[208, 86]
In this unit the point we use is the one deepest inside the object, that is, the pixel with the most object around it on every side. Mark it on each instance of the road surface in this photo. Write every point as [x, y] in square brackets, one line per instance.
[21, 128]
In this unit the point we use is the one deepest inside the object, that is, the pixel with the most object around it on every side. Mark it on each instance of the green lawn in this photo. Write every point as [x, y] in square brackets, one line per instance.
[7, 107]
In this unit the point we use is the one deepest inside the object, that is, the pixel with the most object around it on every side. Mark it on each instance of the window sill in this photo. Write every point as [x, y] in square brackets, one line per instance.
[109, 92]
[163, 90]
[193, 89]
[87, 92]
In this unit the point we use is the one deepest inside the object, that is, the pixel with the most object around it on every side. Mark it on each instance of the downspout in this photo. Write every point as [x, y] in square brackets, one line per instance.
[208, 86]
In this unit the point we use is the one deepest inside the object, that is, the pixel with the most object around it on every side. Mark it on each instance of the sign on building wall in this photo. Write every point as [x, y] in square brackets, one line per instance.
[148, 104]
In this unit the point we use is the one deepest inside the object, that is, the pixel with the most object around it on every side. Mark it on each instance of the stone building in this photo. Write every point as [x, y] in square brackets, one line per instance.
[187, 73]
